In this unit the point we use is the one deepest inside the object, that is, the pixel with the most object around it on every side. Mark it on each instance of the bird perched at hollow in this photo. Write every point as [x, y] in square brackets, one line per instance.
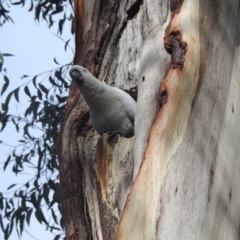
[111, 109]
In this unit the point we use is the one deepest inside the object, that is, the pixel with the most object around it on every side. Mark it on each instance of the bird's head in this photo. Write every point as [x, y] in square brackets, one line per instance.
[79, 74]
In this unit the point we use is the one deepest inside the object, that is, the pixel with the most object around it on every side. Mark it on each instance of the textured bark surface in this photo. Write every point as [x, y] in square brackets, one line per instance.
[177, 178]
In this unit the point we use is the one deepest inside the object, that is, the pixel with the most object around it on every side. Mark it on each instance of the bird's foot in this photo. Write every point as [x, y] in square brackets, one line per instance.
[111, 136]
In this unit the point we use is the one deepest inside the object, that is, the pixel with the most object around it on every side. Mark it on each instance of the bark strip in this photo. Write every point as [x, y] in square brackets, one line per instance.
[141, 218]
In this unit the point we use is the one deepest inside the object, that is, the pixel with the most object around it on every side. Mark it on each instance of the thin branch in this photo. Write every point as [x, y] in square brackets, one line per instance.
[30, 235]
[62, 40]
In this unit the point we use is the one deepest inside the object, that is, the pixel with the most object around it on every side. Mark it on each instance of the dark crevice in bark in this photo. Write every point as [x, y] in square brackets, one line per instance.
[77, 225]
[239, 229]
[230, 195]
[175, 6]
[114, 44]
[116, 40]
[211, 179]
[87, 219]
[106, 36]
[237, 37]
[108, 221]
[173, 40]
[177, 48]
[131, 13]
[133, 92]
[112, 140]
[134, 9]
[86, 126]
[163, 98]
[84, 218]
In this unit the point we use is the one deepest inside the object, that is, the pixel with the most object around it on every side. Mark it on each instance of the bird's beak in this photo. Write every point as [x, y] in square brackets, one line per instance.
[77, 77]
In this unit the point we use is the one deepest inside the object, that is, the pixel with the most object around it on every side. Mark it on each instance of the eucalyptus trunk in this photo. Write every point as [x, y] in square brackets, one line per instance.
[178, 177]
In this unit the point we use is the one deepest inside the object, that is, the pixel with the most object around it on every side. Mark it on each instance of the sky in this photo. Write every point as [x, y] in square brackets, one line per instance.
[34, 47]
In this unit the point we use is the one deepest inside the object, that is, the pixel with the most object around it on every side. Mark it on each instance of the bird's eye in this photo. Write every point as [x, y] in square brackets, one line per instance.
[85, 70]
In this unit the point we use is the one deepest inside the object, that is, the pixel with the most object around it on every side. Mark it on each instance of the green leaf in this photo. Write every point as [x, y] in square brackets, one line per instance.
[25, 131]
[61, 99]
[1, 61]
[16, 3]
[1, 223]
[58, 10]
[26, 90]
[10, 229]
[18, 161]
[46, 11]
[25, 158]
[60, 208]
[11, 186]
[60, 25]
[55, 228]
[15, 169]
[39, 216]
[72, 27]
[35, 183]
[39, 93]
[6, 84]
[56, 195]
[34, 81]
[31, 7]
[6, 231]
[37, 11]
[34, 108]
[4, 121]
[24, 76]
[21, 195]
[46, 193]
[66, 44]
[56, 61]
[34, 200]
[27, 185]
[54, 216]
[1, 57]
[55, 163]
[52, 81]
[23, 202]
[71, 3]
[6, 163]
[15, 124]
[7, 55]
[5, 105]
[15, 92]
[57, 237]
[59, 75]
[8, 98]
[29, 213]
[17, 215]
[44, 89]
[62, 223]
[51, 184]
[22, 223]
[1, 201]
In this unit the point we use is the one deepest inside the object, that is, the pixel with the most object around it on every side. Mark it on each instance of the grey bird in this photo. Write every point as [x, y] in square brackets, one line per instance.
[111, 109]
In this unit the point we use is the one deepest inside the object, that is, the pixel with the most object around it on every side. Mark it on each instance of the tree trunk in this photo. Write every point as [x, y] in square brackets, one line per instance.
[177, 178]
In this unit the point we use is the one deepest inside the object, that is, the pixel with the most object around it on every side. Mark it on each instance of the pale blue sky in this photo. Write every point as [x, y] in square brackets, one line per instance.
[34, 47]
